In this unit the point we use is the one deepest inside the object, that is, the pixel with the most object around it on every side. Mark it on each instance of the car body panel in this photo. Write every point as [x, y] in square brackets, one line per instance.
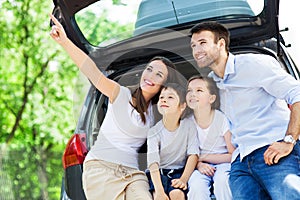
[73, 175]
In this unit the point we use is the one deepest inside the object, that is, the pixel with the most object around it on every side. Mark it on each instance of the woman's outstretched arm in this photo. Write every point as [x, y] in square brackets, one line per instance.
[88, 67]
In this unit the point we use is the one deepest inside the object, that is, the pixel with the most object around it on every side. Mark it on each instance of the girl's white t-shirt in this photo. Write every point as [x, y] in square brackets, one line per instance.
[212, 139]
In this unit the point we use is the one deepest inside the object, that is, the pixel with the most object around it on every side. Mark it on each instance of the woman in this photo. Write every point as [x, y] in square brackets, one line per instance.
[110, 169]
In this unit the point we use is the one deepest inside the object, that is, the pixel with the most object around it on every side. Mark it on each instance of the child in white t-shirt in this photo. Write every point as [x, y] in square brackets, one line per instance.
[172, 146]
[214, 138]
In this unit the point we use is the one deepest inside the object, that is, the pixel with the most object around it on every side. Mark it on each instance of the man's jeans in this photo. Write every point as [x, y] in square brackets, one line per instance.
[253, 179]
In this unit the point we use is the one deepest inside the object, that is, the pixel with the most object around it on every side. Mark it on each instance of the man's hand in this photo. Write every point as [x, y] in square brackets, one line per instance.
[276, 151]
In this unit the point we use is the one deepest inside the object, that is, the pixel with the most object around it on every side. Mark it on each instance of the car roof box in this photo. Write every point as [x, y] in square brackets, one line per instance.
[154, 14]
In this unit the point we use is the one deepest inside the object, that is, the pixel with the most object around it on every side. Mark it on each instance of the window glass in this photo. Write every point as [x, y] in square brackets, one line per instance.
[105, 22]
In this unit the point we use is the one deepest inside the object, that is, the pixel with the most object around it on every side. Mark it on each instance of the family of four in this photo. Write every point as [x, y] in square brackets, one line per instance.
[241, 136]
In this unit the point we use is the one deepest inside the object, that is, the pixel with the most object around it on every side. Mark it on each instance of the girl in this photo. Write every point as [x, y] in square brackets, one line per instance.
[172, 147]
[214, 139]
[110, 170]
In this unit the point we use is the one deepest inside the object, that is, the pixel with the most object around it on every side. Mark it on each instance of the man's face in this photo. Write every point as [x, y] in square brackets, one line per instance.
[205, 51]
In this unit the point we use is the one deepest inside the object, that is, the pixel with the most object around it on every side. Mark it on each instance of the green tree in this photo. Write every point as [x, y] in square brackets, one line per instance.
[36, 99]
[35, 103]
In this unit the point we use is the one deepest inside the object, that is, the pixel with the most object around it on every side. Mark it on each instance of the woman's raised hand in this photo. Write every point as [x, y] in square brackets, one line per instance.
[57, 32]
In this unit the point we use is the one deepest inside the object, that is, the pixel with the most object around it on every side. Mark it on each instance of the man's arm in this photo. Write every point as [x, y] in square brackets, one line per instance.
[278, 150]
[294, 124]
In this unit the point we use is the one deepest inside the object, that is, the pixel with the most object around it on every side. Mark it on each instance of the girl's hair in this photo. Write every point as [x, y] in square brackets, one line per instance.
[141, 104]
[212, 88]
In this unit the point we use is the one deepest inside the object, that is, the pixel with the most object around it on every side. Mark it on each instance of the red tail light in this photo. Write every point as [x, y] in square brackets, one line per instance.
[75, 151]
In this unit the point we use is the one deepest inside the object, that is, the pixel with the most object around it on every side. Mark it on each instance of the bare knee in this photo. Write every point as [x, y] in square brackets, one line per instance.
[176, 195]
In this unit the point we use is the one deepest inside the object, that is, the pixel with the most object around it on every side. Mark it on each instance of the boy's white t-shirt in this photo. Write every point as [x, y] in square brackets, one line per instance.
[122, 132]
[170, 150]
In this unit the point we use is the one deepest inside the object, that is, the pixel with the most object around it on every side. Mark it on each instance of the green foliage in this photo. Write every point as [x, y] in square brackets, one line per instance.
[103, 31]
[32, 173]
[36, 102]
[36, 106]
[38, 112]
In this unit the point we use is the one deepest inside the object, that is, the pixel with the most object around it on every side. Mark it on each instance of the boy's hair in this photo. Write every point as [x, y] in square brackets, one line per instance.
[219, 31]
[181, 92]
[212, 88]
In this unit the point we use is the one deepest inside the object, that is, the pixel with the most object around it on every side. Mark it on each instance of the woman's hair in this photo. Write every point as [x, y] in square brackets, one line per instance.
[212, 88]
[219, 31]
[141, 104]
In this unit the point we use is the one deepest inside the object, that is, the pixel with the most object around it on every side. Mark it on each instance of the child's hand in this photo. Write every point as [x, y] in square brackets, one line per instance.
[206, 169]
[160, 196]
[178, 183]
[57, 32]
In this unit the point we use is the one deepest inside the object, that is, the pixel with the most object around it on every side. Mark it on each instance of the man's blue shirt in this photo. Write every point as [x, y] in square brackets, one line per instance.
[254, 95]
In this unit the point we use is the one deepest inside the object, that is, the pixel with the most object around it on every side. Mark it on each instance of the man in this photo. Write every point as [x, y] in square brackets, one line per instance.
[254, 92]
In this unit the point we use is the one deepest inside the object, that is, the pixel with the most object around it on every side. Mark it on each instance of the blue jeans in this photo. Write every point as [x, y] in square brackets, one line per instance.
[252, 179]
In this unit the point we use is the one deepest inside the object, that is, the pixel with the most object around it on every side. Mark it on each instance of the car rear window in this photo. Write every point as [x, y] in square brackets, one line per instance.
[106, 21]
